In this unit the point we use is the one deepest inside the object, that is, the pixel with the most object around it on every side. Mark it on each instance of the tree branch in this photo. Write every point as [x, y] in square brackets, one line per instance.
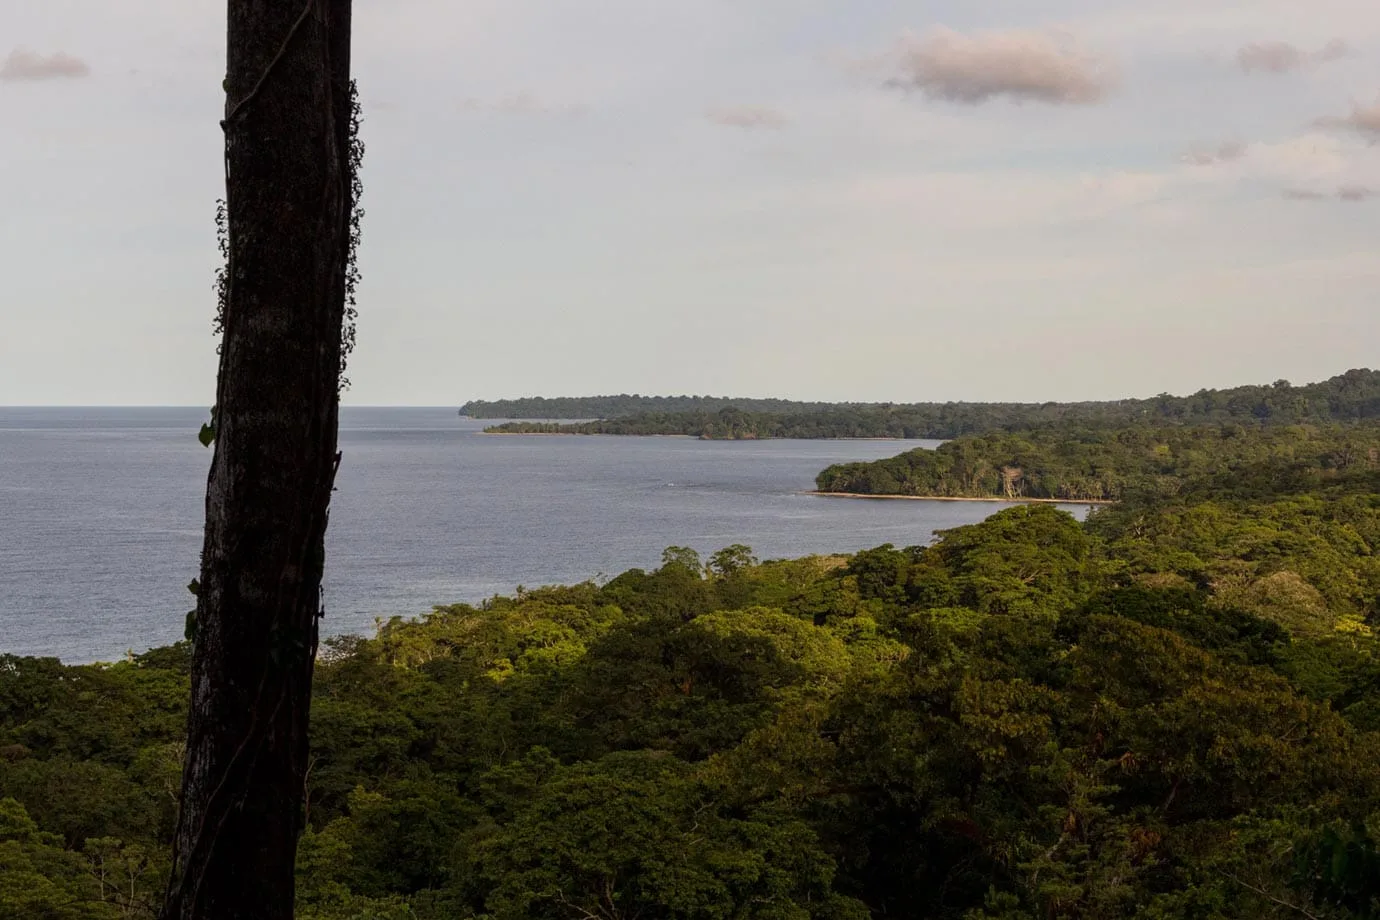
[1265, 894]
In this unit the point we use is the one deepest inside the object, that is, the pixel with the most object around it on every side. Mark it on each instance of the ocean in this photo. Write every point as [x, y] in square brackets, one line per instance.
[101, 516]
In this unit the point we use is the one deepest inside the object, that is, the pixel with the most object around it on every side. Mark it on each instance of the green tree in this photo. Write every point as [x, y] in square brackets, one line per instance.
[635, 835]
[40, 879]
[731, 560]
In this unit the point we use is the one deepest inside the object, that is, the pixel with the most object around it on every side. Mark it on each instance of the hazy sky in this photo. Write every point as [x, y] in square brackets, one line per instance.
[853, 199]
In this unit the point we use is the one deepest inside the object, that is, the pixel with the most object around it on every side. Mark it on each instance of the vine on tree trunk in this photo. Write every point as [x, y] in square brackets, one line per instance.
[352, 275]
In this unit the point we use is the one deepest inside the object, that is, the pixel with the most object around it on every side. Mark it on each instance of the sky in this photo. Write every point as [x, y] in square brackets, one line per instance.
[843, 200]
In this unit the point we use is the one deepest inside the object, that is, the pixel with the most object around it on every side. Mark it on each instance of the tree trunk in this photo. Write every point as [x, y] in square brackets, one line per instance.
[288, 202]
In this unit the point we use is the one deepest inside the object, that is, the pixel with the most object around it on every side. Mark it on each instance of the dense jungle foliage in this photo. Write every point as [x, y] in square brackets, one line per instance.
[1169, 711]
[1348, 397]
[1104, 464]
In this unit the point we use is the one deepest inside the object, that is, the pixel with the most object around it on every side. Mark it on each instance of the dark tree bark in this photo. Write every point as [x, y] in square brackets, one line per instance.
[288, 201]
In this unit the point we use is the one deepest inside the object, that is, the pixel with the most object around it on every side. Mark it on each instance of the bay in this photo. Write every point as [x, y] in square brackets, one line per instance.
[101, 512]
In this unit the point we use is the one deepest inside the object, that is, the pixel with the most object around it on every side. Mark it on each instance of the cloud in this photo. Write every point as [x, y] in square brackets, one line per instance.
[1309, 159]
[28, 65]
[1282, 57]
[1347, 193]
[747, 116]
[1021, 66]
[988, 201]
[1364, 119]
[1223, 153]
[520, 104]
[1355, 193]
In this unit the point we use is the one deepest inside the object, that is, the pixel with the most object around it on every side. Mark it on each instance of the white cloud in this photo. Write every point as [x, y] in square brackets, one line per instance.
[1364, 119]
[1355, 193]
[1348, 193]
[28, 65]
[1316, 167]
[1024, 66]
[1282, 57]
[1302, 194]
[1310, 157]
[996, 201]
[1226, 152]
[747, 116]
[1312, 166]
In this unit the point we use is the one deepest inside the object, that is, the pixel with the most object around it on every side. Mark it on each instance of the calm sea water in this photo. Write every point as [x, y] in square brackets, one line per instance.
[101, 513]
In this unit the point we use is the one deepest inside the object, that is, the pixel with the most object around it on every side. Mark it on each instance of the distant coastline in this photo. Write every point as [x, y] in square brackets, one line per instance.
[965, 498]
[581, 434]
[1346, 398]
[697, 437]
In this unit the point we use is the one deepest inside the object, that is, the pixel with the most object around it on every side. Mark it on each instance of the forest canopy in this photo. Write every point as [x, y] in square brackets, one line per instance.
[1107, 464]
[1171, 710]
[1349, 397]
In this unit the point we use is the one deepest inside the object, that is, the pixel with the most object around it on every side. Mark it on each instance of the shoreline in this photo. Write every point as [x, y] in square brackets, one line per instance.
[580, 434]
[612, 434]
[963, 498]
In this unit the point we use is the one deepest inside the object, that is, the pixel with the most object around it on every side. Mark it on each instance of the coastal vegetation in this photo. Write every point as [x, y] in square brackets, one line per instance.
[623, 405]
[1349, 397]
[1106, 464]
[1171, 710]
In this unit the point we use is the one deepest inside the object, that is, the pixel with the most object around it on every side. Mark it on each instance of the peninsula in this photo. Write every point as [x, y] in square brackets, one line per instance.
[1097, 466]
[1349, 397]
